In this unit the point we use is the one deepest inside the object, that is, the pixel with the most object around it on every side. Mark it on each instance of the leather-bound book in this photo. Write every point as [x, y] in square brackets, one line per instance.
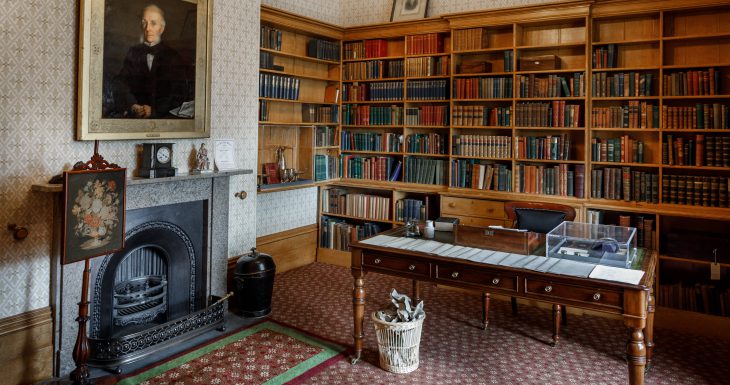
[666, 181]
[706, 191]
[714, 197]
[673, 189]
[682, 190]
[698, 190]
[655, 188]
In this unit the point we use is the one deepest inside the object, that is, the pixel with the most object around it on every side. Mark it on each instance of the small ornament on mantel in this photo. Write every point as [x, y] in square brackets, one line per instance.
[202, 161]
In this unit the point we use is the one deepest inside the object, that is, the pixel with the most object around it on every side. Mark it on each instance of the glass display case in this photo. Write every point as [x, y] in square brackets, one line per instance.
[600, 244]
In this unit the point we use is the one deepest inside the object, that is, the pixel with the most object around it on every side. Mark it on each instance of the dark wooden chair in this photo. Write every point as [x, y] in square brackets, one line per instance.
[540, 218]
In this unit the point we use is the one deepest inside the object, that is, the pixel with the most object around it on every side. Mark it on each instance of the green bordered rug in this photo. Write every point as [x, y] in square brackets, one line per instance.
[267, 353]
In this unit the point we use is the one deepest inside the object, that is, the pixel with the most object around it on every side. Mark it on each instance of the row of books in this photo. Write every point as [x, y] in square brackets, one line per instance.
[430, 143]
[324, 136]
[553, 114]
[326, 167]
[425, 170]
[424, 44]
[550, 147]
[692, 83]
[428, 89]
[709, 298]
[278, 86]
[371, 141]
[372, 115]
[470, 173]
[427, 66]
[373, 167]
[483, 88]
[270, 38]
[266, 61]
[316, 113]
[702, 115]
[373, 69]
[549, 180]
[264, 106]
[713, 151]
[508, 61]
[532, 86]
[337, 234]
[604, 57]
[624, 150]
[708, 191]
[410, 209]
[365, 49]
[645, 232]
[427, 116]
[339, 201]
[469, 39]
[634, 115]
[480, 115]
[623, 183]
[627, 84]
[376, 91]
[324, 49]
[483, 146]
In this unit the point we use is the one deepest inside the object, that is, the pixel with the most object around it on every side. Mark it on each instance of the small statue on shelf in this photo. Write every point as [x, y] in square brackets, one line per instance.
[202, 162]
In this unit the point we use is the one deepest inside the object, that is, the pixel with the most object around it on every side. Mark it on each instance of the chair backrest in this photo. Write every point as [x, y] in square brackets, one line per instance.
[536, 216]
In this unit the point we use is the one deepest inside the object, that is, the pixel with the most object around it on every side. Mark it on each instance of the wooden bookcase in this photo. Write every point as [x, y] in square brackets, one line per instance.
[617, 77]
[304, 122]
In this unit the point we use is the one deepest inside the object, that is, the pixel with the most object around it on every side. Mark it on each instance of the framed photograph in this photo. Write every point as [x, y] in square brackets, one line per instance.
[144, 69]
[93, 213]
[408, 10]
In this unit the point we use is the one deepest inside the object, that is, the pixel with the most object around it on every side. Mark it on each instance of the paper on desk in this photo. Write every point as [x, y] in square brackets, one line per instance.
[453, 251]
[546, 264]
[511, 259]
[495, 258]
[617, 274]
[524, 260]
[428, 246]
[482, 255]
[572, 268]
[442, 248]
[378, 240]
[466, 253]
[535, 263]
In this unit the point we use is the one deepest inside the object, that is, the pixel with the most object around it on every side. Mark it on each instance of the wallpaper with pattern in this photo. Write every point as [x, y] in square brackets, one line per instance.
[323, 10]
[37, 125]
[285, 210]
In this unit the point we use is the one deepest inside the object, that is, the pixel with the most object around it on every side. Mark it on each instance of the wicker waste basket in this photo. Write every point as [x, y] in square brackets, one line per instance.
[398, 344]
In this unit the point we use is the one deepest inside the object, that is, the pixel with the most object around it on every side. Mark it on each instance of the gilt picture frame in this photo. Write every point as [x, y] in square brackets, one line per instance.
[144, 70]
[408, 10]
[94, 203]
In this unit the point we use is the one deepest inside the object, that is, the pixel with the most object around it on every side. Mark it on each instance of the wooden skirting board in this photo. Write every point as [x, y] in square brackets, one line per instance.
[26, 356]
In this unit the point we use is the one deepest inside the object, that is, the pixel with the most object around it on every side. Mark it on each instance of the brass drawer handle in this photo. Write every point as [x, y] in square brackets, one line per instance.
[495, 281]
[377, 261]
[455, 274]
[412, 267]
[548, 288]
[597, 296]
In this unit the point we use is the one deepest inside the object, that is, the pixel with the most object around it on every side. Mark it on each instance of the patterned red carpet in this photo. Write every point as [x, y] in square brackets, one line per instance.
[514, 350]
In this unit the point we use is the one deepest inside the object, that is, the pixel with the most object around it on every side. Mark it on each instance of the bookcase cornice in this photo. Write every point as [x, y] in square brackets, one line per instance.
[534, 13]
[397, 29]
[277, 17]
[605, 8]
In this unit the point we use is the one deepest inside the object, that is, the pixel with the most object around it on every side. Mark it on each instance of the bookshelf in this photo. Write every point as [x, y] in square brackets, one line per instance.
[569, 103]
[299, 83]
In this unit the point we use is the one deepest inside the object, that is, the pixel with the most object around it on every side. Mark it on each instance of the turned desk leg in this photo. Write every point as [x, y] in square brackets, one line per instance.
[556, 323]
[649, 329]
[485, 310]
[358, 307]
[636, 356]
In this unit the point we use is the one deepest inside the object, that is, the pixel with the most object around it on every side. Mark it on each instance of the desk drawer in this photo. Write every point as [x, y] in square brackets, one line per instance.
[396, 264]
[486, 278]
[451, 206]
[590, 295]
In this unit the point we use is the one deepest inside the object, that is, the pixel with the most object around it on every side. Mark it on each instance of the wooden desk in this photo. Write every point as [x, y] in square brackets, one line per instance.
[634, 302]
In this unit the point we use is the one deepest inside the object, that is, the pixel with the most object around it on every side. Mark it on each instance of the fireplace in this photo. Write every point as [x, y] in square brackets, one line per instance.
[158, 277]
[164, 286]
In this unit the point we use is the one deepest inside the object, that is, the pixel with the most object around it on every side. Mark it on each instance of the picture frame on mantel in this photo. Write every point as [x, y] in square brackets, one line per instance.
[144, 70]
[93, 213]
[408, 10]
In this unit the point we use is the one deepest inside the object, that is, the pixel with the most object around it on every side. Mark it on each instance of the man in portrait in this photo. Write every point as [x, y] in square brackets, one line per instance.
[154, 81]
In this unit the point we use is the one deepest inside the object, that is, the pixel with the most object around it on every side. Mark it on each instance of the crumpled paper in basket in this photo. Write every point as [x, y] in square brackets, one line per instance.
[401, 309]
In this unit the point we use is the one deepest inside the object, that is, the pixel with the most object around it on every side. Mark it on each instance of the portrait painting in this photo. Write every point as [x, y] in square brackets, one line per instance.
[144, 69]
[408, 10]
[93, 213]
